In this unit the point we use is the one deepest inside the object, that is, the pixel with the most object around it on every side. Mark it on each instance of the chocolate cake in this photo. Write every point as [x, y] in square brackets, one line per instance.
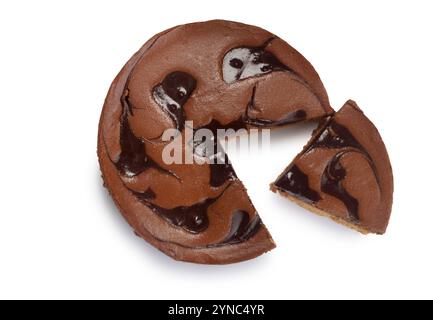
[343, 173]
[218, 74]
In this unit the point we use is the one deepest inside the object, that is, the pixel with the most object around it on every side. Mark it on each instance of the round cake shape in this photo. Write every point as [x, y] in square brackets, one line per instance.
[217, 74]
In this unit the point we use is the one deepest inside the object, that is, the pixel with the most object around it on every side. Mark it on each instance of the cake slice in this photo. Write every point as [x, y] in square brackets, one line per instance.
[343, 173]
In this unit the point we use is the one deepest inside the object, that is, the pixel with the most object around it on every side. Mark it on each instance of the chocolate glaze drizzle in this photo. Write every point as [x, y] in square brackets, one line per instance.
[296, 182]
[221, 171]
[241, 228]
[133, 158]
[172, 93]
[331, 184]
[194, 219]
[337, 136]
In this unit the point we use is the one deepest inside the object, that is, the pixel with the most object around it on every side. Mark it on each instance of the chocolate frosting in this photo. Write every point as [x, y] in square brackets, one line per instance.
[218, 74]
[344, 171]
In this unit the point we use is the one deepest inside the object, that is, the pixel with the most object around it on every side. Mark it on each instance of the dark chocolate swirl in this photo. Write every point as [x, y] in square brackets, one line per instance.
[133, 158]
[242, 228]
[193, 218]
[337, 136]
[331, 184]
[332, 136]
[296, 183]
[172, 93]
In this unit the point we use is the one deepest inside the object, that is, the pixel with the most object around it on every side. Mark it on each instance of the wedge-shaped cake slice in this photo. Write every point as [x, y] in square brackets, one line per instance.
[343, 173]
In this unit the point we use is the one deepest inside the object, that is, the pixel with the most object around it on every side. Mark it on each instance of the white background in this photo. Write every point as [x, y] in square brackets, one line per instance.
[61, 236]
